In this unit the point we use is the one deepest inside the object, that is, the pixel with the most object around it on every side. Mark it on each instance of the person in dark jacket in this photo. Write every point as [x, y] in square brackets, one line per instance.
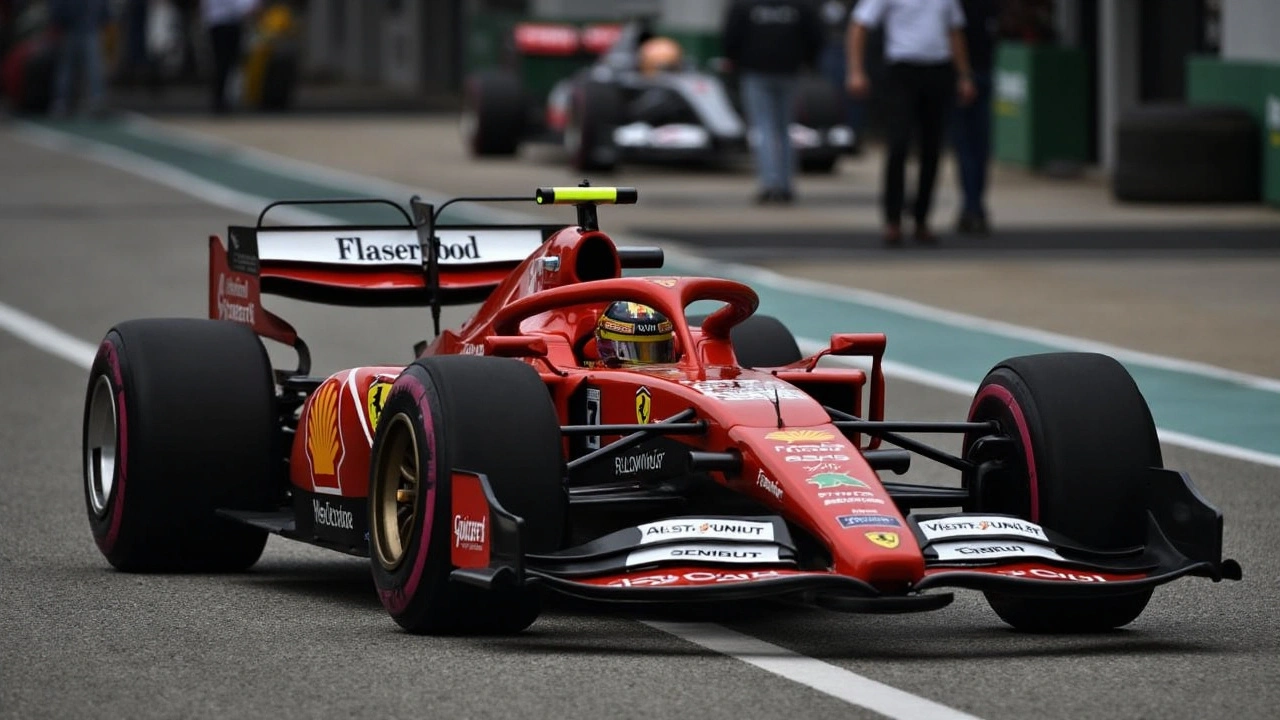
[769, 43]
[971, 124]
[77, 24]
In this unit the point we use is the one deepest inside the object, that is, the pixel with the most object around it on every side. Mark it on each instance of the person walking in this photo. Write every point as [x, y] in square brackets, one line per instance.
[835, 66]
[971, 124]
[77, 24]
[926, 56]
[769, 43]
[224, 20]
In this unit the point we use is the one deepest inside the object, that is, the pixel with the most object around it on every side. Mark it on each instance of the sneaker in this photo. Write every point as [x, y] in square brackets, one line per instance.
[925, 236]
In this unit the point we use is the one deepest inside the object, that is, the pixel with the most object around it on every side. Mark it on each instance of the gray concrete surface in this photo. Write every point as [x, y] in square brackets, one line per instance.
[303, 636]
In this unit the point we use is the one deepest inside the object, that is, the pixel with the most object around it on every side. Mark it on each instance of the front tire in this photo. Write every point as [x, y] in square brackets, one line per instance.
[1083, 436]
[488, 415]
[179, 421]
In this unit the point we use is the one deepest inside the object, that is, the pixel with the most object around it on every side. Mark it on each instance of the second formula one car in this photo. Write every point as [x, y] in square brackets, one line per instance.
[582, 434]
[622, 108]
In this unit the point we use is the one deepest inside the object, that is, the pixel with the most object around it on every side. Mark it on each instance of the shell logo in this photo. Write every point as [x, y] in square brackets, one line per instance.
[323, 445]
[793, 436]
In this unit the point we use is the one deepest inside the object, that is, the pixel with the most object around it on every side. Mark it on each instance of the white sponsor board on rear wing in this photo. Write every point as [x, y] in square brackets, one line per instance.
[394, 247]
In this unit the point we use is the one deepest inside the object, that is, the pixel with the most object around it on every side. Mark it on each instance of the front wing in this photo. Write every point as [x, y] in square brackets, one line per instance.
[716, 558]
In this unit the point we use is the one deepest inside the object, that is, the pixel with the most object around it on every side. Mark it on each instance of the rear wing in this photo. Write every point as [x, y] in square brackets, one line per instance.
[420, 262]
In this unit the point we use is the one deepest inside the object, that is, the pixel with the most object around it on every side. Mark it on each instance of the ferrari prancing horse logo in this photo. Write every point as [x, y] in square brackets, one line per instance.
[644, 405]
[888, 540]
[375, 400]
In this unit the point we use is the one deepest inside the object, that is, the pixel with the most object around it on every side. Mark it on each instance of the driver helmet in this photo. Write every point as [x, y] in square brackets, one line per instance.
[629, 333]
[660, 54]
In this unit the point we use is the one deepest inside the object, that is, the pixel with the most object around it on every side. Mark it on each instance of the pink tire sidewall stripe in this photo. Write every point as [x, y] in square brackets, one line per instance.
[1004, 397]
[396, 602]
[107, 351]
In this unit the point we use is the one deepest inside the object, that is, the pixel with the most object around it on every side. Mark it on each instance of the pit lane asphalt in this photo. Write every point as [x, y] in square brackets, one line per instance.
[82, 246]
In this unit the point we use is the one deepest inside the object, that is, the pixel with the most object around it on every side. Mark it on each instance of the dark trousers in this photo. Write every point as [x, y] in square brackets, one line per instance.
[225, 42]
[971, 135]
[918, 100]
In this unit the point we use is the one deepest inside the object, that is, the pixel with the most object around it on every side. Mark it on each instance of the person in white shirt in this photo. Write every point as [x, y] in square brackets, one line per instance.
[225, 19]
[925, 58]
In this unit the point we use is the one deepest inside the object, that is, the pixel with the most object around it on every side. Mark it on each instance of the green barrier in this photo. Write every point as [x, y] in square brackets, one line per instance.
[1253, 86]
[1040, 113]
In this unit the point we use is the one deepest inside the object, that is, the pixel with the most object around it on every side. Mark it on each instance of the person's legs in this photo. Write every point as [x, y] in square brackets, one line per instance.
[971, 137]
[783, 101]
[762, 120]
[66, 57]
[225, 42]
[898, 123]
[932, 108]
[93, 72]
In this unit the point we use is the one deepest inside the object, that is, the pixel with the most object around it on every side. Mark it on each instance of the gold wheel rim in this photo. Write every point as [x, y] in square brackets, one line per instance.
[395, 493]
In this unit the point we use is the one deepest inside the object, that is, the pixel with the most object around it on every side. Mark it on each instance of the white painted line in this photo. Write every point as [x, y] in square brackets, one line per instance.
[47, 337]
[821, 676]
[215, 194]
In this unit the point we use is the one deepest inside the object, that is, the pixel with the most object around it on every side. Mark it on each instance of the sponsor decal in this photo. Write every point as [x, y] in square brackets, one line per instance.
[593, 416]
[819, 453]
[234, 301]
[242, 251]
[887, 540]
[470, 523]
[395, 247]
[853, 501]
[764, 483]
[741, 390]
[822, 467]
[696, 577]
[324, 443]
[644, 405]
[663, 281]
[1049, 574]
[546, 39]
[375, 400]
[332, 515]
[1010, 92]
[831, 480]
[705, 529]
[848, 521]
[800, 436]
[705, 553]
[472, 349]
[968, 526]
[650, 461]
[469, 532]
[991, 550]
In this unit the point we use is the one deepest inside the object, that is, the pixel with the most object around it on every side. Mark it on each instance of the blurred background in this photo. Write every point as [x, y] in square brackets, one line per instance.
[1070, 75]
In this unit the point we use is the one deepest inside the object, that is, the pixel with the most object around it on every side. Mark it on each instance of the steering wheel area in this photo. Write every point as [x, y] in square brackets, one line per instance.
[668, 295]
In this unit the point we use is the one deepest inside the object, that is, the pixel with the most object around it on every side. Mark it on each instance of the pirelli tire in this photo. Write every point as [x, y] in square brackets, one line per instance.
[818, 106]
[1187, 153]
[594, 114]
[760, 341]
[494, 114]
[483, 414]
[179, 422]
[1083, 436]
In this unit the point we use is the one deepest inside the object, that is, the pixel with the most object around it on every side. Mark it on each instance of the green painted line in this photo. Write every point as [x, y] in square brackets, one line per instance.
[1215, 407]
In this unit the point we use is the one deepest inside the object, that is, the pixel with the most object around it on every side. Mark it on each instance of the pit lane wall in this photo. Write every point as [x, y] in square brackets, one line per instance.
[1250, 84]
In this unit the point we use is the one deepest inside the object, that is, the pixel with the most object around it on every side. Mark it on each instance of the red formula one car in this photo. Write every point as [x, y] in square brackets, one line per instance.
[508, 460]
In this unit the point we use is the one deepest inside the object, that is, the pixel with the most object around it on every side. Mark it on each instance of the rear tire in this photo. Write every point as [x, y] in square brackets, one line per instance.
[1083, 436]
[179, 421]
[760, 341]
[1187, 153]
[487, 415]
[494, 114]
[588, 134]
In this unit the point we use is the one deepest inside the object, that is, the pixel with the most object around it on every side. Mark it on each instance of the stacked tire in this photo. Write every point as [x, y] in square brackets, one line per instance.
[1180, 153]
